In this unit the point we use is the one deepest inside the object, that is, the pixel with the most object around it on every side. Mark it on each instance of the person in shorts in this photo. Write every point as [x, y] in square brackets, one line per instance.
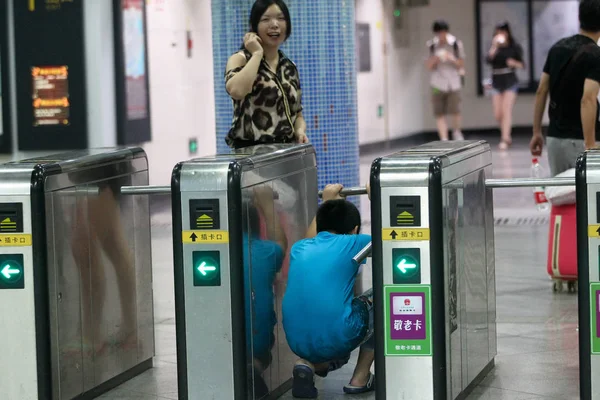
[323, 320]
[505, 57]
[571, 77]
[446, 63]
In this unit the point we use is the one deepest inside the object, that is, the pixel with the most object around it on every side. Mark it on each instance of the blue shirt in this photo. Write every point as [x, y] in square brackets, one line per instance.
[318, 319]
[265, 259]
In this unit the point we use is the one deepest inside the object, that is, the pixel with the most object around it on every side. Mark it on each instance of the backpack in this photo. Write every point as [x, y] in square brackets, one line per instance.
[456, 54]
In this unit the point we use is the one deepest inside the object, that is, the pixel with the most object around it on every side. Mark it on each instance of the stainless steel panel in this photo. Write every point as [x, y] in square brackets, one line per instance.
[101, 285]
[18, 362]
[208, 311]
[279, 199]
[407, 377]
[273, 222]
[468, 261]
[593, 186]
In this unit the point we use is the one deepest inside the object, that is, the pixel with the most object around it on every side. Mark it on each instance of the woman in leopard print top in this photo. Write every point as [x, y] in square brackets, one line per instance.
[264, 84]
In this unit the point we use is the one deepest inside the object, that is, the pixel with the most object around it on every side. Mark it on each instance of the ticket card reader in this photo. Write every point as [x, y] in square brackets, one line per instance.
[213, 230]
[424, 350]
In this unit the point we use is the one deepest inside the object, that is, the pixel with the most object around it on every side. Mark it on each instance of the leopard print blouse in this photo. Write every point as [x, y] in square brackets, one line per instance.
[268, 113]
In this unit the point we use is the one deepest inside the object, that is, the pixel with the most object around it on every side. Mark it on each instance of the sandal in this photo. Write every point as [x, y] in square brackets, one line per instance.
[369, 387]
[504, 144]
[303, 386]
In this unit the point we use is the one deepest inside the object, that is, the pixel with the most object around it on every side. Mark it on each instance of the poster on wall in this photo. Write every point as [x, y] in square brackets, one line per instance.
[552, 21]
[135, 59]
[131, 66]
[50, 95]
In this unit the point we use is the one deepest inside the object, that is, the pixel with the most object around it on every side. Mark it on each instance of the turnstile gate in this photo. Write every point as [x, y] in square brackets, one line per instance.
[75, 274]
[433, 270]
[234, 218]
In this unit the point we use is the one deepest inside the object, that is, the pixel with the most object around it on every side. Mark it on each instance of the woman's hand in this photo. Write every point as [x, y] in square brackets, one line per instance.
[301, 137]
[252, 43]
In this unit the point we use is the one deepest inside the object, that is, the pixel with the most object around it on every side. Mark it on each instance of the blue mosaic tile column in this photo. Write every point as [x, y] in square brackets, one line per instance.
[322, 46]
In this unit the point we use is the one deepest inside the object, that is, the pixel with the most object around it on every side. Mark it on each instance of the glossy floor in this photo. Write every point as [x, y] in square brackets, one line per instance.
[537, 329]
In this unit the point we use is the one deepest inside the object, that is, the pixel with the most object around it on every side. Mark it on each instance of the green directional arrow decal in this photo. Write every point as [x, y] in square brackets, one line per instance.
[207, 268]
[203, 268]
[406, 267]
[11, 271]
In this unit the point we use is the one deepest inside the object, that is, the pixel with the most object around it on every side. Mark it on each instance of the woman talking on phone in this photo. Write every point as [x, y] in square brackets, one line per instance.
[505, 56]
[264, 84]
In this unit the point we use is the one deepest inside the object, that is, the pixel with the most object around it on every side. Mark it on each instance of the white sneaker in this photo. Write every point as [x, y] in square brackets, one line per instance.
[457, 135]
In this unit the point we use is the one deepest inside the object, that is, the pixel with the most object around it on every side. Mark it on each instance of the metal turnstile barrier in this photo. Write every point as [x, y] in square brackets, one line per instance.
[434, 270]
[587, 177]
[230, 235]
[75, 274]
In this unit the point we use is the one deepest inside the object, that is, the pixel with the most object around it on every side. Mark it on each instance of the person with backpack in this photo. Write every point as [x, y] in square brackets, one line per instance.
[446, 63]
[571, 76]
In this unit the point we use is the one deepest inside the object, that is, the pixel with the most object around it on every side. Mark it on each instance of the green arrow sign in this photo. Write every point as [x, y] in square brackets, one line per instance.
[12, 275]
[10, 272]
[403, 266]
[203, 268]
[406, 266]
[207, 268]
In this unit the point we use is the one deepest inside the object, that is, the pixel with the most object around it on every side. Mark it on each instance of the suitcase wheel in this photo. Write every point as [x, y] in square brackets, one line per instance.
[557, 286]
[572, 286]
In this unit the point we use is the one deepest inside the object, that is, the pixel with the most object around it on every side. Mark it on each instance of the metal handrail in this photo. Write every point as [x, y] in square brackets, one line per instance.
[363, 254]
[529, 182]
[150, 189]
[359, 190]
[351, 191]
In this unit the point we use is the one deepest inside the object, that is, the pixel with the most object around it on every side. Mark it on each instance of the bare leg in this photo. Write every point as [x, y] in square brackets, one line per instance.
[105, 218]
[442, 127]
[86, 255]
[457, 125]
[508, 103]
[363, 367]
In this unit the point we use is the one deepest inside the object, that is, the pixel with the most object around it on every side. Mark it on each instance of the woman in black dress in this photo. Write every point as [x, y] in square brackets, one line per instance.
[505, 57]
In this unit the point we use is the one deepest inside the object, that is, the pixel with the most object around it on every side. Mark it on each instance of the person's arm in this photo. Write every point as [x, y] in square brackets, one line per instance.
[491, 55]
[241, 74]
[589, 108]
[541, 97]
[265, 202]
[516, 61]
[432, 62]
[331, 192]
[300, 128]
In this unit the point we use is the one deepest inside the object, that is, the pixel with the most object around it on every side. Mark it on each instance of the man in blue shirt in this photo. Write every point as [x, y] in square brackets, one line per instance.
[322, 319]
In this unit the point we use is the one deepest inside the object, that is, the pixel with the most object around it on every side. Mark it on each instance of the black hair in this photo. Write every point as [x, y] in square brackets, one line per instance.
[261, 6]
[505, 26]
[338, 216]
[589, 15]
[440, 25]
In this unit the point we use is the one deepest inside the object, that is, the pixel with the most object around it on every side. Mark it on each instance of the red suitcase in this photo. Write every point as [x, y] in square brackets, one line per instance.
[562, 247]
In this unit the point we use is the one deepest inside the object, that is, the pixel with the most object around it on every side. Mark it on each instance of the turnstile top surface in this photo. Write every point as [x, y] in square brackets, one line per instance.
[259, 154]
[256, 165]
[72, 168]
[72, 160]
[412, 166]
[451, 152]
